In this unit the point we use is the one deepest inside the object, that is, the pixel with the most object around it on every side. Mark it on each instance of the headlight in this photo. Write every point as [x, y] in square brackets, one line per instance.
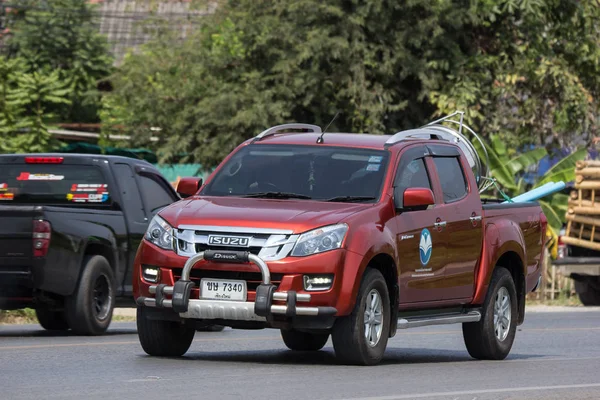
[320, 240]
[160, 233]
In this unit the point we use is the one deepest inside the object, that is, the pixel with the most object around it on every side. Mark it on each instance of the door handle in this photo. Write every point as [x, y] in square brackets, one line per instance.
[475, 218]
[440, 224]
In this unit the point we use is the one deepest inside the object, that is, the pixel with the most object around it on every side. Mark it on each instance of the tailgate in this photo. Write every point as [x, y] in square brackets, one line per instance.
[16, 234]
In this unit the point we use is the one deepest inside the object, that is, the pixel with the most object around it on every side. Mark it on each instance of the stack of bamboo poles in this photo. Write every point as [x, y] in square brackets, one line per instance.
[583, 215]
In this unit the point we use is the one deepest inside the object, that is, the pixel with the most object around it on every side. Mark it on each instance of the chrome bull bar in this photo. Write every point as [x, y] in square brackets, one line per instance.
[259, 310]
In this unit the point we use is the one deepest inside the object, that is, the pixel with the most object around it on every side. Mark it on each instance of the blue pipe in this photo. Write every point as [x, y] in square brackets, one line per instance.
[537, 193]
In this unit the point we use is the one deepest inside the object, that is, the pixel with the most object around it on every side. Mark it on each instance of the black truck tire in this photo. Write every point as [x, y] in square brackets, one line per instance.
[89, 310]
[588, 294]
[481, 337]
[349, 334]
[163, 338]
[303, 341]
[51, 320]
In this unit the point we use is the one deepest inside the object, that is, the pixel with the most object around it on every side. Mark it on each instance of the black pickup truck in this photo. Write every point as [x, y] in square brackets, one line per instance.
[70, 225]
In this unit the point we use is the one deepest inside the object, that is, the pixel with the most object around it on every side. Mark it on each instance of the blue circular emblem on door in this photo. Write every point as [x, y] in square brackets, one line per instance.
[425, 246]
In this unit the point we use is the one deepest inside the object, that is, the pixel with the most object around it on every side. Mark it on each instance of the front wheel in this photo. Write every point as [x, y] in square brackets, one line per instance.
[304, 341]
[492, 337]
[361, 337]
[163, 338]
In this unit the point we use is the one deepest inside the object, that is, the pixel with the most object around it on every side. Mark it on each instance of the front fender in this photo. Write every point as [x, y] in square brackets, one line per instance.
[368, 242]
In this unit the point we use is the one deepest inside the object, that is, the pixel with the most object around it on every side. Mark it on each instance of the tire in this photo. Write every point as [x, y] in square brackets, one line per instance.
[588, 294]
[51, 320]
[163, 338]
[304, 341]
[89, 310]
[481, 338]
[348, 335]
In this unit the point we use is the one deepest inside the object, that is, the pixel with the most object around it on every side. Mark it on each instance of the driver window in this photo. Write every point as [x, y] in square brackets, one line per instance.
[412, 176]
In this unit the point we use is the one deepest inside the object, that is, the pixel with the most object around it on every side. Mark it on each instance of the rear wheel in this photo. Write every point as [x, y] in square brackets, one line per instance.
[361, 337]
[304, 341]
[51, 320]
[492, 337]
[587, 292]
[163, 338]
[89, 310]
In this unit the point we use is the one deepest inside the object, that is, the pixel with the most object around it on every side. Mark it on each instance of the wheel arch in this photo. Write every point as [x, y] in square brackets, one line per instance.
[385, 264]
[97, 246]
[511, 261]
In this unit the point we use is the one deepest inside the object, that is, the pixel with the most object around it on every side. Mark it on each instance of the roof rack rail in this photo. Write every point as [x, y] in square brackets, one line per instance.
[435, 130]
[419, 133]
[279, 128]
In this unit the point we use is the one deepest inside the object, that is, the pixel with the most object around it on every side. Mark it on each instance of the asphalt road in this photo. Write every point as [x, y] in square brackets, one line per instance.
[556, 356]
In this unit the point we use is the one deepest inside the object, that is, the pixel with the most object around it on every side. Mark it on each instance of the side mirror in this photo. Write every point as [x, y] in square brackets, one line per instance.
[187, 187]
[416, 198]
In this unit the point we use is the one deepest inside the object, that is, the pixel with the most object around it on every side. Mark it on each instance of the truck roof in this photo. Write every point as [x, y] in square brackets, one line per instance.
[362, 140]
[75, 156]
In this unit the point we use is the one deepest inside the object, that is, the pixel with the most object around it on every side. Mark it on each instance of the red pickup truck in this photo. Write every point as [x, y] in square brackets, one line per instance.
[351, 236]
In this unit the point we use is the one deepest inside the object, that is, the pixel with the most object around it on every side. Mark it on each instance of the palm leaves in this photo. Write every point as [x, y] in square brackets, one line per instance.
[506, 169]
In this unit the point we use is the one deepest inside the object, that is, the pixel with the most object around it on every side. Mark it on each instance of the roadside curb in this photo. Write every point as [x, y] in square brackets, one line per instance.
[124, 312]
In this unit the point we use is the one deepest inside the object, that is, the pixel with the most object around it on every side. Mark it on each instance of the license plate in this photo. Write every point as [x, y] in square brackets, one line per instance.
[221, 289]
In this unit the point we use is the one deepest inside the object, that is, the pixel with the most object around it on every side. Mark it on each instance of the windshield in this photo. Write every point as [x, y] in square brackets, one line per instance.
[309, 172]
[53, 184]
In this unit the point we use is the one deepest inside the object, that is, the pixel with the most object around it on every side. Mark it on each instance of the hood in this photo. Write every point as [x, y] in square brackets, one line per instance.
[297, 215]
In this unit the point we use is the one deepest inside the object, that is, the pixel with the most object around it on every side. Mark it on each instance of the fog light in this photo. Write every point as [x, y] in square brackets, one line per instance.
[317, 282]
[151, 274]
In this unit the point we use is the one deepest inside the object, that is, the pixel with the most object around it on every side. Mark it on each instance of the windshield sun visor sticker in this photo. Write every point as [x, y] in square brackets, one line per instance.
[26, 176]
[373, 167]
[375, 159]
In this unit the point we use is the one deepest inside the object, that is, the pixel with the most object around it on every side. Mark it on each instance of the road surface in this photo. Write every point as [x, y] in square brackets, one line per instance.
[556, 356]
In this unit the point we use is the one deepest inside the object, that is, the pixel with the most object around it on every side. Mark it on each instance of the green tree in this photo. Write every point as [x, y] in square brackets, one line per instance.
[533, 76]
[62, 35]
[25, 98]
[525, 70]
[11, 111]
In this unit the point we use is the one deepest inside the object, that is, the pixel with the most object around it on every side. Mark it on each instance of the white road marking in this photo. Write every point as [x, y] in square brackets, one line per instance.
[474, 392]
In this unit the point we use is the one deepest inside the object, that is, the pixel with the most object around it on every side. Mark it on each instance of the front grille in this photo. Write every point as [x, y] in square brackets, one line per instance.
[253, 279]
[203, 247]
[268, 244]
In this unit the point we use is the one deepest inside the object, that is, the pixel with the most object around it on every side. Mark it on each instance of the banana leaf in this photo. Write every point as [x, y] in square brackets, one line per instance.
[523, 161]
[564, 170]
[555, 220]
[496, 166]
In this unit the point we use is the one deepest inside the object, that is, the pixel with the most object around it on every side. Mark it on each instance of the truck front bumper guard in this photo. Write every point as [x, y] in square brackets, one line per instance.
[259, 310]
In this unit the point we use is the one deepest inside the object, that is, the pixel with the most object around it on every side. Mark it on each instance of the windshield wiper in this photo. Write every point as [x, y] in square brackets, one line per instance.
[278, 195]
[351, 198]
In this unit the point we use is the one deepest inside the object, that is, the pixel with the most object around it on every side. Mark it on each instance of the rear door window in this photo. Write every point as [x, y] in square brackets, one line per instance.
[452, 178]
[52, 184]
